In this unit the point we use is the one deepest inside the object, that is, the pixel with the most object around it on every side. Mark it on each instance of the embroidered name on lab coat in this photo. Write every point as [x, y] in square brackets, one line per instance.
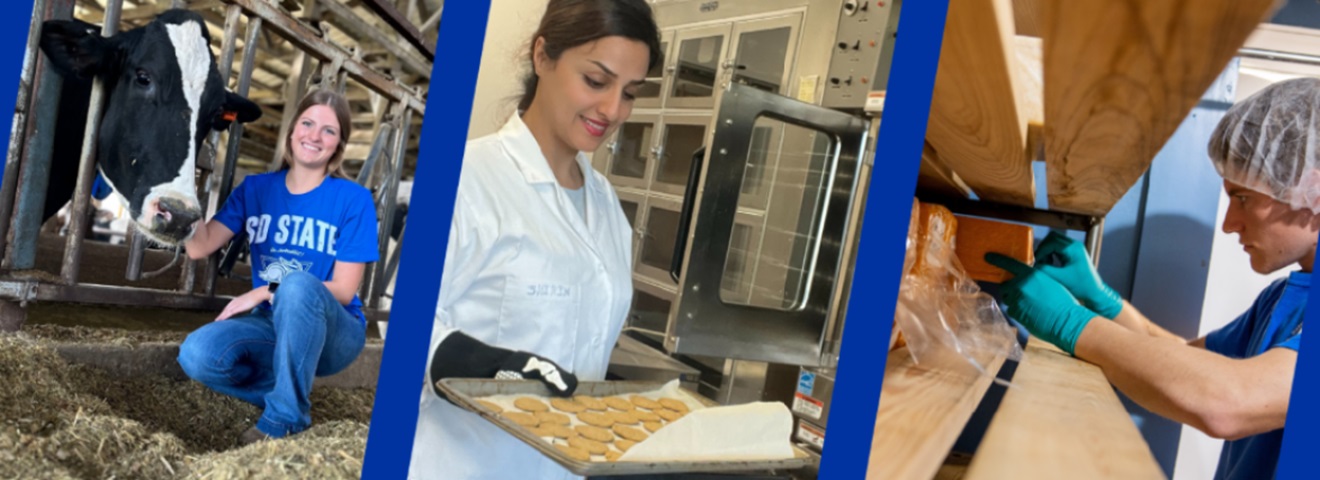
[548, 290]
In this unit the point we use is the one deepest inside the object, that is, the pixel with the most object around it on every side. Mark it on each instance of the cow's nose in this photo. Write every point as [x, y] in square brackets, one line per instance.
[175, 217]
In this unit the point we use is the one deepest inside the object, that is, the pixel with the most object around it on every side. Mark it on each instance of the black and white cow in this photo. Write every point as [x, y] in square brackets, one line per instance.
[164, 94]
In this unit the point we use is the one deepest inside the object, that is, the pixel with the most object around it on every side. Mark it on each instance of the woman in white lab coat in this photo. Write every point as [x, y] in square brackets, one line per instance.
[537, 276]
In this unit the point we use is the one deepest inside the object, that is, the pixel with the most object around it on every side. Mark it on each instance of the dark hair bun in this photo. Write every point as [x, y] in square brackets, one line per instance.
[569, 23]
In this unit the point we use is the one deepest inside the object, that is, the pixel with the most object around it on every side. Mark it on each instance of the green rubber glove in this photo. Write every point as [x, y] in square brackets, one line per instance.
[1041, 304]
[1077, 274]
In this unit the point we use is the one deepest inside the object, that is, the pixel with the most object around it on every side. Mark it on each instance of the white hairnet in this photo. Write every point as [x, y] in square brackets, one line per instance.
[1268, 143]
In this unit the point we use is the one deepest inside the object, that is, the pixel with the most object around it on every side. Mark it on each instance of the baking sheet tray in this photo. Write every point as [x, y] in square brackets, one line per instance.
[464, 392]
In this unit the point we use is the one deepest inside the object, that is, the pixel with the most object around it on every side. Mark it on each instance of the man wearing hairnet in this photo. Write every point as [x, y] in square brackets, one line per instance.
[1233, 383]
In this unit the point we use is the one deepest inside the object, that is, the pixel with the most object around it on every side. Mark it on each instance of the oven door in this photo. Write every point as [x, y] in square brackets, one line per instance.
[759, 282]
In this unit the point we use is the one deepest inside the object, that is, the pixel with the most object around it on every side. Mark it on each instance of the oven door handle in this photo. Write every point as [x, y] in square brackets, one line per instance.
[685, 214]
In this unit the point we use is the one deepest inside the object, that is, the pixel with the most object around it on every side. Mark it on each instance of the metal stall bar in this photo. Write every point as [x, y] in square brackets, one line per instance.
[137, 246]
[227, 47]
[392, 265]
[390, 196]
[365, 175]
[31, 290]
[21, 115]
[341, 77]
[386, 139]
[82, 192]
[236, 129]
[331, 76]
[188, 272]
[27, 166]
[391, 203]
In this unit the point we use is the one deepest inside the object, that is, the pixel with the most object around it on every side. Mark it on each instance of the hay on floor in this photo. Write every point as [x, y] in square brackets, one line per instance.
[70, 421]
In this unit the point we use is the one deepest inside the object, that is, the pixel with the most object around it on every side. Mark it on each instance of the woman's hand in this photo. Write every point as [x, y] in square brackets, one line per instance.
[245, 302]
[207, 238]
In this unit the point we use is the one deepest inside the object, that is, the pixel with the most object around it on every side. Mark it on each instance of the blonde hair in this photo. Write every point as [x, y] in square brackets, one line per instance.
[339, 105]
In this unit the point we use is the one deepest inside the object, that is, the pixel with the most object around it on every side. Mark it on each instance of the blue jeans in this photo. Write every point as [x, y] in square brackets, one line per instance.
[269, 357]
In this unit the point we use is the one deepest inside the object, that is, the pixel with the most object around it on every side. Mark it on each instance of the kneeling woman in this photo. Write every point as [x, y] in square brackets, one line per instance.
[311, 234]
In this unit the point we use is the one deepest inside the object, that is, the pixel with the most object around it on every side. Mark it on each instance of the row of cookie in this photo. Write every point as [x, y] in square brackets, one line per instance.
[591, 441]
[607, 419]
[603, 420]
[599, 419]
[582, 403]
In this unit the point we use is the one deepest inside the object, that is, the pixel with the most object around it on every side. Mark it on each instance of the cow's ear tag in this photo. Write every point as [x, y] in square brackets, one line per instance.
[229, 116]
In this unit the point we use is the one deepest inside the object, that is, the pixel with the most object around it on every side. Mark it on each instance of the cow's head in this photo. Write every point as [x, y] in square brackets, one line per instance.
[164, 96]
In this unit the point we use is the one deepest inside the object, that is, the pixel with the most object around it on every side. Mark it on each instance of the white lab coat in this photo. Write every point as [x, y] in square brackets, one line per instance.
[523, 271]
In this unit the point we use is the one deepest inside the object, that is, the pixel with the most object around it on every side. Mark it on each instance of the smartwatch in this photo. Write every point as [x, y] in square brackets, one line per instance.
[272, 286]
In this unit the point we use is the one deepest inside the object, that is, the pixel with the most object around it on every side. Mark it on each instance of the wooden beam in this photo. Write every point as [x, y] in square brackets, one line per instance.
[307, 39]
[432, 23]
[270, 59]
[1031, 91]
[149, 11]
[93, 6]
[342, 16]
[295, 88]
[1026, 17]
[256, 149]
[1120, 78]
[922, 411]
[936, 177]
[405, 28]
[1061, 419]
[974, 120]
[265, 133]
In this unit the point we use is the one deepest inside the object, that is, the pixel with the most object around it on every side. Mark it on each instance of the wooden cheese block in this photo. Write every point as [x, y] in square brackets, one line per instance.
[977, 236]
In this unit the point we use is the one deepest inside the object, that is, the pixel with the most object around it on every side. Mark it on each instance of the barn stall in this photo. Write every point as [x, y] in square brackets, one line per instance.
[93, 315]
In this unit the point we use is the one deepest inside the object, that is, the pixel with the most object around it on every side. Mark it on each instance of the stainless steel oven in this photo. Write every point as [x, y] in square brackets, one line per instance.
[743, 168]
[797, 262]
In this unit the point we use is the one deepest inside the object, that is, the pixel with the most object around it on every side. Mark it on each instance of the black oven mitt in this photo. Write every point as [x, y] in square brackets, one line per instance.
[461, 356]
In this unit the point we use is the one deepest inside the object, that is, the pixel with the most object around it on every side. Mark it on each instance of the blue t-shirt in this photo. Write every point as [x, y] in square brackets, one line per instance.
[308, 232]
[101, 189]
[1274, 320]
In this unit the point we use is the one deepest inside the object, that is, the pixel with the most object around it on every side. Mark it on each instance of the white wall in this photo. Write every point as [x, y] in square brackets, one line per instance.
[508, 34]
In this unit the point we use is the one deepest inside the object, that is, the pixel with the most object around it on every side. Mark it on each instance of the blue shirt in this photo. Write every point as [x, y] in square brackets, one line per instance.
[101, 189]
[1274, 320]
[308, 232]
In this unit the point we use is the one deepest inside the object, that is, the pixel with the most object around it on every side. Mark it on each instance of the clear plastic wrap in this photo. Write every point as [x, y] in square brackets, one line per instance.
[946, 320]
[1270, 143]
[909, 262]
